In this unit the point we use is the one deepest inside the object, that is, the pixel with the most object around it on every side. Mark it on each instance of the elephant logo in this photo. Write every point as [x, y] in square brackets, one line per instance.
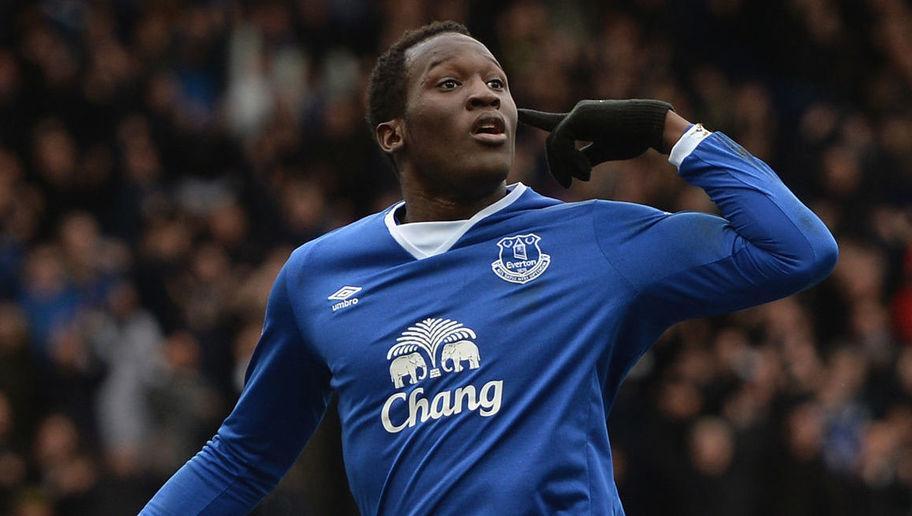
[456, 352]
[428, 336]
[408, 365]
[520, 259]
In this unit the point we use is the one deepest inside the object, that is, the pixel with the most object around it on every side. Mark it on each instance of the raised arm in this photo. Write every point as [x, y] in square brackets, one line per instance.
[766, 245]
[285, 395]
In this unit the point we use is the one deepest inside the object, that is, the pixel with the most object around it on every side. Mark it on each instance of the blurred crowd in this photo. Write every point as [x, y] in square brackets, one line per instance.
[159, 160]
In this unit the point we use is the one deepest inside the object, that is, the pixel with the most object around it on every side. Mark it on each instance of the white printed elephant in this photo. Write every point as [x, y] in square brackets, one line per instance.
[407, 365]
[457, 352]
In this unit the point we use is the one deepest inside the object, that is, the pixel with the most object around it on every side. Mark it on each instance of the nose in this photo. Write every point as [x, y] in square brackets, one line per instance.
[481, 96]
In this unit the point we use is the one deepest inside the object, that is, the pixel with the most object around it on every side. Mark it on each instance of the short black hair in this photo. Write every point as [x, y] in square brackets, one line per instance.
[386, 88]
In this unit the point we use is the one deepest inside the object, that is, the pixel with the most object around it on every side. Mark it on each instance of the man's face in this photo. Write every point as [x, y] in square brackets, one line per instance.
[460, 119]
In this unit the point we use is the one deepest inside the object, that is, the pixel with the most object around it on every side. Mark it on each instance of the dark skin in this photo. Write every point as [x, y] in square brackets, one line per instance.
[454, 146]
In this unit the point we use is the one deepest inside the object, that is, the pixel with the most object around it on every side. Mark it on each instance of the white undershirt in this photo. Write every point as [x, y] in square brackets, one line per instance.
[425, 239]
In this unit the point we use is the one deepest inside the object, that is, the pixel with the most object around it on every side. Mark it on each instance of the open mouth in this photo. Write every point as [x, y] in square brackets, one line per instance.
[490, 128]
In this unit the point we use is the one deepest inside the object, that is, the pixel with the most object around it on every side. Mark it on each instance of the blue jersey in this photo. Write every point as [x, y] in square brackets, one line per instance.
[479, 380]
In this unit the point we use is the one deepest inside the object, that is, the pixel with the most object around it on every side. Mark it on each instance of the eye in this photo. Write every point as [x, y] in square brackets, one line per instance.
[496, 84]
[448, 84]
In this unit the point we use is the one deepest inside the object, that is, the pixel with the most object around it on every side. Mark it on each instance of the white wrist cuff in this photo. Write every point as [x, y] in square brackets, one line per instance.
[687, 143]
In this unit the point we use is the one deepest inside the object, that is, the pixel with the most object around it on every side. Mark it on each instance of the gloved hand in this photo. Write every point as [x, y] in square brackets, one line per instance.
[618, 129]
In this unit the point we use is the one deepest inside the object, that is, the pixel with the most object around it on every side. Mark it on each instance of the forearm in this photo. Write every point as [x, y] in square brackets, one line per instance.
[214, 481]
[284, 398]
[789, 237]
[766, 245]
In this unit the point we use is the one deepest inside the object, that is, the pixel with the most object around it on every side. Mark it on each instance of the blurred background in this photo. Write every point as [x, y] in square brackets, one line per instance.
[159, 160]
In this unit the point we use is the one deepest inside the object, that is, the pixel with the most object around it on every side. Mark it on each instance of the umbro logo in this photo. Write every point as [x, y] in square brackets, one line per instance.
[344, 297]
[344, 293]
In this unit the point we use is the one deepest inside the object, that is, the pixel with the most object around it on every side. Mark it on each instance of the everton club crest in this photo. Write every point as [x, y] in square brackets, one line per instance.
[521, 260]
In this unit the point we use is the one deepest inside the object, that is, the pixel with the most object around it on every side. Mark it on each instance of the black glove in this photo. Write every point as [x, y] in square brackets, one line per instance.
[618, 129]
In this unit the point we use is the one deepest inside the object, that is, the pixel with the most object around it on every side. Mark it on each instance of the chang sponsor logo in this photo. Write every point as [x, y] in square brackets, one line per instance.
[414, 358]
[444, 404]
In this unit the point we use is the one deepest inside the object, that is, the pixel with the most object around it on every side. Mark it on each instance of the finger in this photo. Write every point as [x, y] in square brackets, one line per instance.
[565, 166]
[540, 119]
[554, 153]
[594, 153]
[564, 160]
[600, 153]
[575, 162]
[579, 165]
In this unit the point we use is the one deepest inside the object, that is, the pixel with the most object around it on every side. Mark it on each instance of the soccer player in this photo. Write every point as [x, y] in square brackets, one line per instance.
[477, 333]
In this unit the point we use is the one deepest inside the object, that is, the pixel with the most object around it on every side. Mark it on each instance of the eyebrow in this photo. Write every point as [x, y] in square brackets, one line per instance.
[439, 61]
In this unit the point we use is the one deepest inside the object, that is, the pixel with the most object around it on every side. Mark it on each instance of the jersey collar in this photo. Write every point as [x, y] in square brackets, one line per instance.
[453, 232]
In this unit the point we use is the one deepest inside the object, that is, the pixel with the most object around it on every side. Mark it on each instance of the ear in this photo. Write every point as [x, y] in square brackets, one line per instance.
[390, 136]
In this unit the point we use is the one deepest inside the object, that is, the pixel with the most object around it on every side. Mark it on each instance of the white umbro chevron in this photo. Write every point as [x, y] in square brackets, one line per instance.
[344, 293]
[344, 297]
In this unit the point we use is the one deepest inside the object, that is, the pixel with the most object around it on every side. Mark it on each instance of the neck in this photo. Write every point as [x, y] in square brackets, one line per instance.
[425, 204]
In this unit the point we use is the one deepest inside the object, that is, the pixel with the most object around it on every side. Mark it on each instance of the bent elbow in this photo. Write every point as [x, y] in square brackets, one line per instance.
[829, 255]
[821, 262]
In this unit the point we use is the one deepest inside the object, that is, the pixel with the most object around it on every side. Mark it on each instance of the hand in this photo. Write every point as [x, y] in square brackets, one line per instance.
[618, 129]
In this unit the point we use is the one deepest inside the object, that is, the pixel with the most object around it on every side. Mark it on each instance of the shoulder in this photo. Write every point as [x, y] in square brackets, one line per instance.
[621, 216]
[625, 222]
[613, 215]
[624, 228]
[535, 204]
[361, 237]
[617, 218]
